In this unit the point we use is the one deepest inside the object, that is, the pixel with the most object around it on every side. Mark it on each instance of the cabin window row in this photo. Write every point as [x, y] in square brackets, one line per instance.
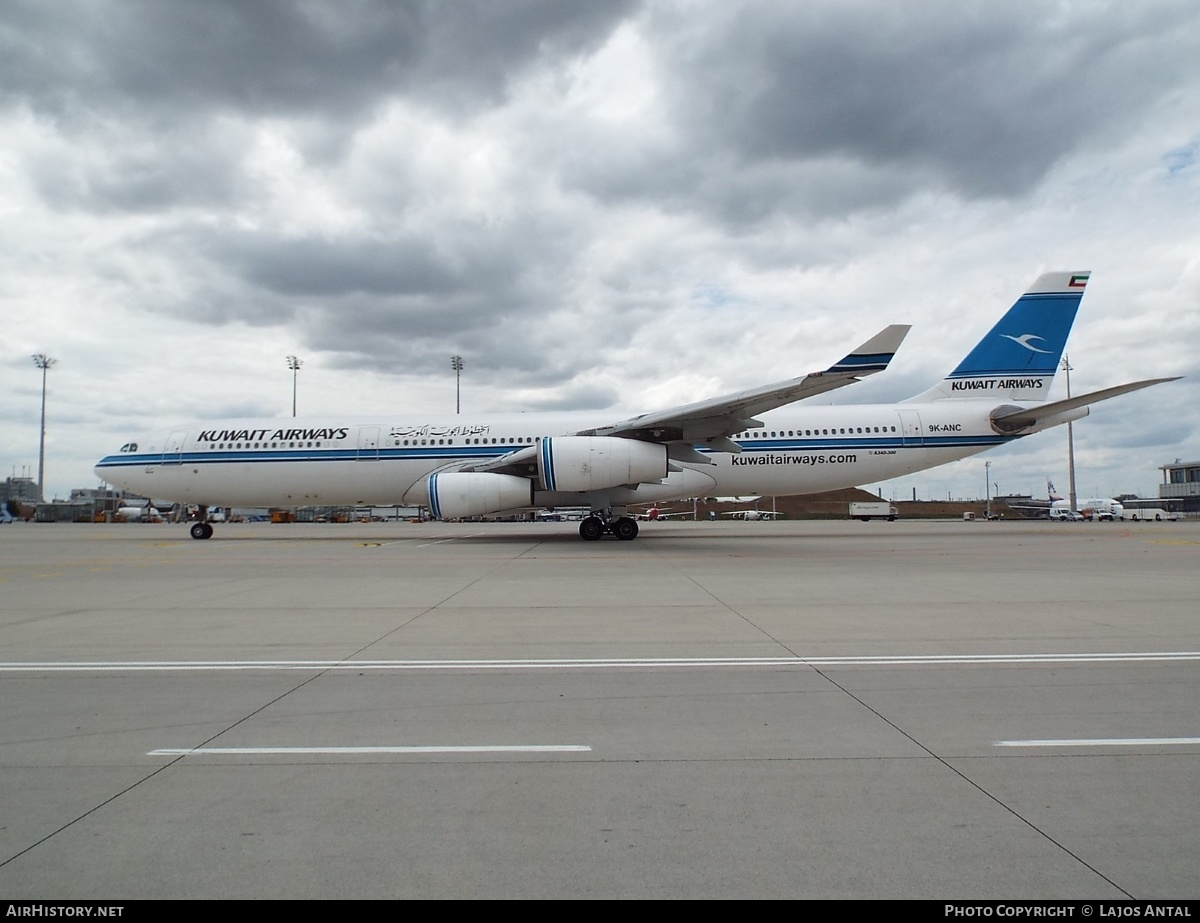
[830, 431]
[264, 445]
[529, 440]
[498, 440]
[507, 440]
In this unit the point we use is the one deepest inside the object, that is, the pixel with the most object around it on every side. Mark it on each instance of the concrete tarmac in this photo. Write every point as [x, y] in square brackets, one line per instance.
[937, 710]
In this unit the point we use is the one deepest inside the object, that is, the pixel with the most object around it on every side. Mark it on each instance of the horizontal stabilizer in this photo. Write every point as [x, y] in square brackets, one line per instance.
[1031, 416]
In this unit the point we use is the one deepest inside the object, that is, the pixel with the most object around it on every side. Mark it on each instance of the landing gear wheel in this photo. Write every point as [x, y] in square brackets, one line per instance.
[625, 529]
[201, 530]
[591, 529]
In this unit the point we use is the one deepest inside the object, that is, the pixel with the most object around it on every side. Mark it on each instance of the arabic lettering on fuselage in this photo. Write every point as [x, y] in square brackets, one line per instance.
[465, 429]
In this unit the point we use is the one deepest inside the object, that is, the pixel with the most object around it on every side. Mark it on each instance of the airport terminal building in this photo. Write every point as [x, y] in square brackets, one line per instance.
[1181, 485]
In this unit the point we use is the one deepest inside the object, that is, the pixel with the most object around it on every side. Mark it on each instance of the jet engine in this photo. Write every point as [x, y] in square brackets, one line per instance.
[582, 463]
[1011, 420]
[458, 495]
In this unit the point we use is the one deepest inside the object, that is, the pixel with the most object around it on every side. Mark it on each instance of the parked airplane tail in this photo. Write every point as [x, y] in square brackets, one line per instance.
[1017, 360]
[1050, 491]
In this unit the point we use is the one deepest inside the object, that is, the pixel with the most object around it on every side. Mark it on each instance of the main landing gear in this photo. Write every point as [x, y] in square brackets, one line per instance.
[203, 528]
[625, 528]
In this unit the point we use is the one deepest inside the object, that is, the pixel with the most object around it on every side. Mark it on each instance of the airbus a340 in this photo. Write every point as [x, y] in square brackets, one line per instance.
[750, 442]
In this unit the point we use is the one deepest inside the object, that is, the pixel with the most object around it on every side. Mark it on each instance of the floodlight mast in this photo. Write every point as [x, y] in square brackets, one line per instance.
[456, 363]
[294, 364]
[43, 362]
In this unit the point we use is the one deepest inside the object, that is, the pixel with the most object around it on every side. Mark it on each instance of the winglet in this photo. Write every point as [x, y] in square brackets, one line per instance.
[875, 354]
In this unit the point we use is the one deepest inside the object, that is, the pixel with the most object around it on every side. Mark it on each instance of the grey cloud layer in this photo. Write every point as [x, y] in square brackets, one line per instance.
[572, 194]
[280, 58]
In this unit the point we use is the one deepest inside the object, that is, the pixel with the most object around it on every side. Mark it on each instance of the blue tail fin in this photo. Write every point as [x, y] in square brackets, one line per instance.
[1018, 358]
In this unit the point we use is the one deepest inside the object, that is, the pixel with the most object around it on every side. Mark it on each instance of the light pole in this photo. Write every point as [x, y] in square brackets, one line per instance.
[456, 363]
[1066, 364]
[43, 362]
[294, 364]
[987, 488]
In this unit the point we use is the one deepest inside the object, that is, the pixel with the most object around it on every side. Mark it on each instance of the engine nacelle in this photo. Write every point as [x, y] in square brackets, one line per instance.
[1014, 425]
[581, 463]
[458, 495]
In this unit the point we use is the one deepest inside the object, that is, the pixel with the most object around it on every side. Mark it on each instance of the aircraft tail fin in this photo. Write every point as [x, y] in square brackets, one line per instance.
[1050, 491]
[1017, 359]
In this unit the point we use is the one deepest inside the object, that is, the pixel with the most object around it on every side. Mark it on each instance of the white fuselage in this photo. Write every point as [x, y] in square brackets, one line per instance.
[335, 461]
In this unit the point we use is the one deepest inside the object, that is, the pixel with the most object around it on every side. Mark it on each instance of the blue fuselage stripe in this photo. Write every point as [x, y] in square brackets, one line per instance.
[445, 454]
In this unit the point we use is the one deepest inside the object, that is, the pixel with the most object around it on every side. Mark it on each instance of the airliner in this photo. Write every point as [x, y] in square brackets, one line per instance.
[1097, 508]
[748, 442]
[1060, 509]
[752, 515]
[147, 513]
[655, 514]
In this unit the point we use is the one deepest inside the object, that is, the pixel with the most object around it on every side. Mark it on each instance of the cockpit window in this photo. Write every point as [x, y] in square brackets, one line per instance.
[129, 447]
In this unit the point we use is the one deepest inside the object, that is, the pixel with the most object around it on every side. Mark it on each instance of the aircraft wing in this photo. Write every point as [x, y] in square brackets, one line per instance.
[1031, 416]
[714, 420]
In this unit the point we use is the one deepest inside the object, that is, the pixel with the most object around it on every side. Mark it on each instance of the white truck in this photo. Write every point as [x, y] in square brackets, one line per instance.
[873, 510]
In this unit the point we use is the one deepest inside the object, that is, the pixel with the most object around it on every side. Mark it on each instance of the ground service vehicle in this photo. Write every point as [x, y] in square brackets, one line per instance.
[873, 510]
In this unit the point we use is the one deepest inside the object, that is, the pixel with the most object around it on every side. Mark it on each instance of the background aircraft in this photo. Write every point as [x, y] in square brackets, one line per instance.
[752, 515]
[133, 513]
[1097, 508]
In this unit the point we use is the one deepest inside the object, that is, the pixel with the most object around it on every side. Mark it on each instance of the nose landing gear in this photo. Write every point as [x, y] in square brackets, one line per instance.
[202, 529]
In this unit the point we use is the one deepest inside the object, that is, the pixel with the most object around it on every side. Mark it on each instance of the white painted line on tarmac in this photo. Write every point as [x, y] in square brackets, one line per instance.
[353, 751]
[1106, 742]
[453, 538]
[595, 664]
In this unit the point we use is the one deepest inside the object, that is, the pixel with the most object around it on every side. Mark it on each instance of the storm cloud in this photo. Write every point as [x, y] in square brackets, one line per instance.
[596, 204]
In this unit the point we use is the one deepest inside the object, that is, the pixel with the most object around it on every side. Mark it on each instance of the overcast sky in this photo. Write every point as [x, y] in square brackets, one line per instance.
[598, 205]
